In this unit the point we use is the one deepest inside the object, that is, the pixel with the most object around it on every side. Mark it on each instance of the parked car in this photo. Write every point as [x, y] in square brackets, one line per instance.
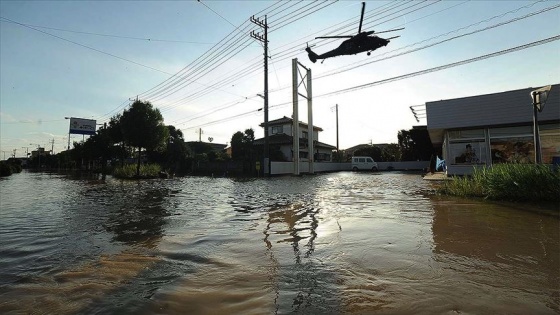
[361, 163]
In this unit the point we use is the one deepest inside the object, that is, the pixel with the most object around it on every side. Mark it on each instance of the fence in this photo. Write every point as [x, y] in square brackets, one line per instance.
[281, 168]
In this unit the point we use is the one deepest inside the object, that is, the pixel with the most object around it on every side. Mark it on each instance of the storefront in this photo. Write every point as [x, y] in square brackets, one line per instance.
[484, 130]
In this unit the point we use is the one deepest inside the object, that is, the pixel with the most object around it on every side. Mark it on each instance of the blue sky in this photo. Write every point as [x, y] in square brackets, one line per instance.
[45, 78]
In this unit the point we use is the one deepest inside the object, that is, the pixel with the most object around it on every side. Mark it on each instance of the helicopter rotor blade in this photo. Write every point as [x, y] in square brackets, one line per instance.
[362, 17]
[396, 29]
[392, 37]
[341, 36]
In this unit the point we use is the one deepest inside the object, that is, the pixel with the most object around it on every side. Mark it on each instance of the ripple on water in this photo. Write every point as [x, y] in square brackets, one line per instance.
[325, 244]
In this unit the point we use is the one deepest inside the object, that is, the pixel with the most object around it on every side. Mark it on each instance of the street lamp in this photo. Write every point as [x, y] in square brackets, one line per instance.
[539, 98]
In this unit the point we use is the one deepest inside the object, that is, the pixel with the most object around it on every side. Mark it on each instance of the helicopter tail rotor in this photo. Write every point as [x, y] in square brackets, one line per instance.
[312, 56]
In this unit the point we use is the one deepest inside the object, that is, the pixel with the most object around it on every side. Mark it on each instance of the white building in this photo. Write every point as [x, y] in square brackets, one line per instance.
[495, 128]
[280, 134]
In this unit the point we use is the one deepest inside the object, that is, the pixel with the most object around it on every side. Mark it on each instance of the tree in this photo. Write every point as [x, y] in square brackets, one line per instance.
[176, 152]
[237, 146]
[116, 134]
[391, 153]
[248, 139]
[415, 144]
[242, 145]
[142, 127]
[242, 149]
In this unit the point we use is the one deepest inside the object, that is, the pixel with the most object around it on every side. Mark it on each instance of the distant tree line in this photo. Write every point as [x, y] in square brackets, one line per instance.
[139, 136]
[413, 145]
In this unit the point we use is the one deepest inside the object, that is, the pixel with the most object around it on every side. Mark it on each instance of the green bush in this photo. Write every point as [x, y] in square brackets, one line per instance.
[129, 171]
[513, 182]
[5, 169]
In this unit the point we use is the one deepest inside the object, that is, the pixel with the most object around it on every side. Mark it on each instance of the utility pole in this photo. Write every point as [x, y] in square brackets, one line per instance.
[14, 154]
[52, 146]
[337, 147]
[337, 150]
[26, 151]
[264, 39]
[200, 132]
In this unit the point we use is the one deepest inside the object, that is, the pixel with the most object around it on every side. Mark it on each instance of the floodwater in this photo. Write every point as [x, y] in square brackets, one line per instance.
[340, 243]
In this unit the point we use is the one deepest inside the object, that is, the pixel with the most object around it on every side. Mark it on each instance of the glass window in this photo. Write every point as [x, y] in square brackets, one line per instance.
[277, 129]
[473, 152]
[550, 143]
[361, 160]
[512, 150]
[369, 160]
[466, 134]
[304, 134]
[511, 132]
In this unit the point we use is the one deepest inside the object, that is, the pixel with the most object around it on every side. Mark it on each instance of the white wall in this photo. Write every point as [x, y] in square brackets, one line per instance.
[279, 168]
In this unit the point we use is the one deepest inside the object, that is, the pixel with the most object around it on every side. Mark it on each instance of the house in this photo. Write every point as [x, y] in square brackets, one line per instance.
[197, 147]
[39, 152]
[484, 130]
[280, 139]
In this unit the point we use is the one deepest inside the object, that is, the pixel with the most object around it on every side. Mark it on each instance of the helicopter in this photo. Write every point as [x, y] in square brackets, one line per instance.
[355, 44]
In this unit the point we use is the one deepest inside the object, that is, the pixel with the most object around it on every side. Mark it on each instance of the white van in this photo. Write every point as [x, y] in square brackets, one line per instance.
[363, 163]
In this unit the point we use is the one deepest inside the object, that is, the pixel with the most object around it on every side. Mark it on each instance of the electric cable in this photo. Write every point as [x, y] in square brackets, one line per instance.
[148, 39]
[401, 77]
[88, 47]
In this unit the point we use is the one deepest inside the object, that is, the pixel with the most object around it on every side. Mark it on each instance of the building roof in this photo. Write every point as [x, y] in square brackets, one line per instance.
[288, 121]
[496, 109]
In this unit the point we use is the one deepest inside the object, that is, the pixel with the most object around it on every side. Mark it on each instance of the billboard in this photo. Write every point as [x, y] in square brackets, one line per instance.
[82, 126]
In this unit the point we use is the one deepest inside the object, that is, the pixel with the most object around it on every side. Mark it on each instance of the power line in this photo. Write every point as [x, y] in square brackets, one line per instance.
[212, 50]
[236, 77]
[176, 85]
[250, 70]
[427, 46]
[218, 14]
[475, 23]
[362, 63]
[450, 65]
[256, 67]
[402, 77]
[105, 35]
[88, 47]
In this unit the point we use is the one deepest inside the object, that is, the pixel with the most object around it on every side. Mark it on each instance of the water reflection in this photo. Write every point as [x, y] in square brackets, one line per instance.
[140, 219]
[512, 251]
[327, 244]
[300, 224]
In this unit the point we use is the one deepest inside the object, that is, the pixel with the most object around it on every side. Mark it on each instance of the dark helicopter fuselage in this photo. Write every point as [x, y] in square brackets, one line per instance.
[354, 45]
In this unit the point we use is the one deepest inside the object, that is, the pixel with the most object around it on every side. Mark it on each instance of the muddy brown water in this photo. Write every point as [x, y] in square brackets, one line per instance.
[340, 243]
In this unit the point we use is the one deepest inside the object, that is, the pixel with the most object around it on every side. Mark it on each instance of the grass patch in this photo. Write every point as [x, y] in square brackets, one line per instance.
[511, 182]
[129, 171]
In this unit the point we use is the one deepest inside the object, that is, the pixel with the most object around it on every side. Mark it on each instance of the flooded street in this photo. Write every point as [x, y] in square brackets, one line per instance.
[340, 243]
